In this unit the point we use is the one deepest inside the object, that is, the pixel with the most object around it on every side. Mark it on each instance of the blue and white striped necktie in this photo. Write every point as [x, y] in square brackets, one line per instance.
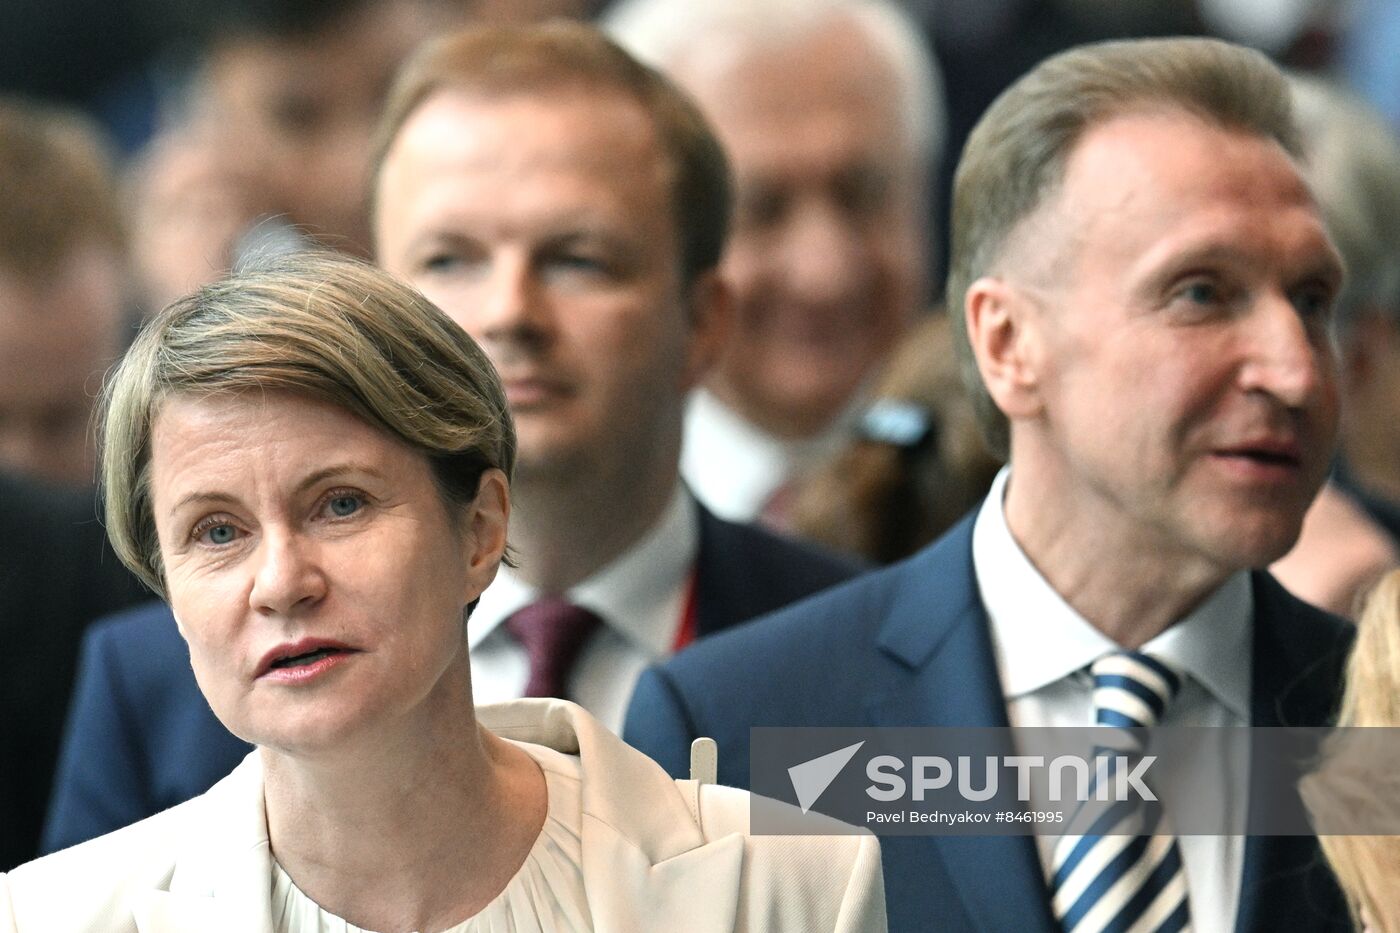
[1123, 874]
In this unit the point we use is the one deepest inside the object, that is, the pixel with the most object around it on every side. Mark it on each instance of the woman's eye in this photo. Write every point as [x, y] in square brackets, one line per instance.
[217, 534]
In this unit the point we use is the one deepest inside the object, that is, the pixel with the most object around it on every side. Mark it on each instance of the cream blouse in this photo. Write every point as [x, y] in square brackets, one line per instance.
[545, 896]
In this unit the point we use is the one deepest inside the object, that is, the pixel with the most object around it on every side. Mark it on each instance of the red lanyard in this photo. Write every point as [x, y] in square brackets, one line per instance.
[686, 634]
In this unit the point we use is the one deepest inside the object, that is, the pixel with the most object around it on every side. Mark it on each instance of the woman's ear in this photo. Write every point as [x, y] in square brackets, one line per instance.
[487, 523]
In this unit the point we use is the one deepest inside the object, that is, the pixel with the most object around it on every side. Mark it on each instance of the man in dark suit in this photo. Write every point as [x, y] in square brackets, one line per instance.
[56, 575]
[575, 234]
[1143, 288]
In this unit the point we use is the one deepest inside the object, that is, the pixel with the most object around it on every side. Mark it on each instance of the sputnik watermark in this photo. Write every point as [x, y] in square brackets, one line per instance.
[1106, 778]
[954, 781]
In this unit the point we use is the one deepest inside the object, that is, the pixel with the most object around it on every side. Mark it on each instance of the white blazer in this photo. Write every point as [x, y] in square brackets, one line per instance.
[658, 855]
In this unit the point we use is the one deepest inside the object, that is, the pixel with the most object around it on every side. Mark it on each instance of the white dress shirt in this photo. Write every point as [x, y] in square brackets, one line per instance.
[641, 598]
[1043, 648]
[734, 467]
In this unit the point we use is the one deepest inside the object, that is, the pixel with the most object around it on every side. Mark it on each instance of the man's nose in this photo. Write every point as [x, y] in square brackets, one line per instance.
[1292, 358]
[824, 254]
[514, 305]
[288, 576]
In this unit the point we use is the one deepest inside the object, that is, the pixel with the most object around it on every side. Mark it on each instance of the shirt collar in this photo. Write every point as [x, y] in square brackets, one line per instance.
[734, 466]
[644, 583]
[1211, 644]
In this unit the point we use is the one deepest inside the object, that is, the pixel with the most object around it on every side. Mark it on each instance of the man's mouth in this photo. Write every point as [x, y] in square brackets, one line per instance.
[1271, 457]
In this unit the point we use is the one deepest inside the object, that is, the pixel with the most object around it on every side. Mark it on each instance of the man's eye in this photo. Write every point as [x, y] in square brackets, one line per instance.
[579, 263]
[344, 505]
[1201, 293]
[1314, 303]
[760, 208]
[440, 262]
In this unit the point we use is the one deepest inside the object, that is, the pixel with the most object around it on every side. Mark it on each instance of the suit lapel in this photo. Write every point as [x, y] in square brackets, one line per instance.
[1298, 661]
[645, 860]
[942, 672]
[1298, 657]
[223, 875]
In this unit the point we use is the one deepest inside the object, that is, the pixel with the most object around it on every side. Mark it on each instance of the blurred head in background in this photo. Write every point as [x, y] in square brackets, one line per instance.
[831, 113]
[567, 206]
[277, 135]
[1352, 163]
[63, 288]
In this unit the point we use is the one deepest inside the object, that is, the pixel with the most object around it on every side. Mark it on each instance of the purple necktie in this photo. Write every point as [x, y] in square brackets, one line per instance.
[552, 631]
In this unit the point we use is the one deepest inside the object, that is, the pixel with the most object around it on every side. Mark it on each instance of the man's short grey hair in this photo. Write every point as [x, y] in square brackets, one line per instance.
[1352, 163]
[662, 32]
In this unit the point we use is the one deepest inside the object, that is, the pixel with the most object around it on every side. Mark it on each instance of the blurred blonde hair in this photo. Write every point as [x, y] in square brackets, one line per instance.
[1354, 785]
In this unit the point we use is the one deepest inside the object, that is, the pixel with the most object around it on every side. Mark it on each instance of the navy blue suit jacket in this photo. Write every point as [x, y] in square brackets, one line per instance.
[141, 737]
[910, 646]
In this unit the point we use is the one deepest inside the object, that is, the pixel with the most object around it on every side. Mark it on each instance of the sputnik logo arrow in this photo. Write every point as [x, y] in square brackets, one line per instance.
[811, 778]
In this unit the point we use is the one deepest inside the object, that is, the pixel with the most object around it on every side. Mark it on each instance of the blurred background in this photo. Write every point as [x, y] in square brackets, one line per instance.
[147, 145]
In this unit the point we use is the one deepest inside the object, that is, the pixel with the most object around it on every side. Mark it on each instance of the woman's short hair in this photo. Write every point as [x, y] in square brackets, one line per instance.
[327, 326]
[1016, 155]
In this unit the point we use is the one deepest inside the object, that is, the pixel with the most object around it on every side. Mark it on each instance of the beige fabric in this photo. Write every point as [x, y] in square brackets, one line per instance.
[546, 895]
[657, 855]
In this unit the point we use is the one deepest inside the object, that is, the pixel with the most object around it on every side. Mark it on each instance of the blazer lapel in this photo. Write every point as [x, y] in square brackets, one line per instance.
[1299, 654]
[645, 860]
[942, 672]
[222, 880]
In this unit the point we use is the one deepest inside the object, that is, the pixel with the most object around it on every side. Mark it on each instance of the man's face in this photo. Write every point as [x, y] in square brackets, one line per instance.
[57, 334]
[1180, 347]
[827, 252]
[543, 225]
[303, 111]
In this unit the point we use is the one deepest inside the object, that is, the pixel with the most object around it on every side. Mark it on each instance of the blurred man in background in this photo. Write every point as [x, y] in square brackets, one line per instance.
[63, 289]
[1352, 533]
[276, 142]
[831, 113]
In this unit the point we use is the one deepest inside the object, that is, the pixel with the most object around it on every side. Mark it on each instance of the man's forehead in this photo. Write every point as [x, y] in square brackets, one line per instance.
[832, 72]
[552, 166]
[1172, 180]
[466, 127]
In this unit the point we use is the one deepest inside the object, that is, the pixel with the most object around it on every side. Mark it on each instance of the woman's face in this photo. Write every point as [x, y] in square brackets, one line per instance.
[314, 569]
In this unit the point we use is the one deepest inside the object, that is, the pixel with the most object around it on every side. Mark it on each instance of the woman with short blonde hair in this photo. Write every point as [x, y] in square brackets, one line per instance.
[313, 465]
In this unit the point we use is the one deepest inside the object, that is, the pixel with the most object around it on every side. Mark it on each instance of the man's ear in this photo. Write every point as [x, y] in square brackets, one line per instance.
[487, 522]
[1003, 329]
[709, 307]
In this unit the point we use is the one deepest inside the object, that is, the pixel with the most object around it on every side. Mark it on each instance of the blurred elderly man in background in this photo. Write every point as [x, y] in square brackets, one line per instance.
[63, 283]
[831, 112]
